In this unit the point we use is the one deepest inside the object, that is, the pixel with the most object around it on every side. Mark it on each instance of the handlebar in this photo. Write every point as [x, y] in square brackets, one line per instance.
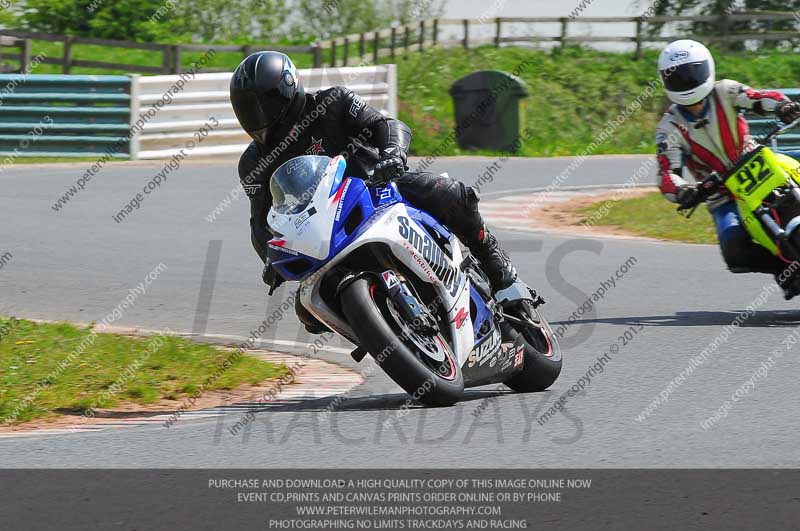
[705, 189]
[711, 184]
[778, 129]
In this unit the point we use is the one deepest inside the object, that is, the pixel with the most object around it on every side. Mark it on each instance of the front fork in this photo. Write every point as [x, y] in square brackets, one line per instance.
[782, 234]
[418, 317]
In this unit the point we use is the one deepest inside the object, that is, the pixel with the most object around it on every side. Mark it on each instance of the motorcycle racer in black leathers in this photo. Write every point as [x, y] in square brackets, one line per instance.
[285, 122]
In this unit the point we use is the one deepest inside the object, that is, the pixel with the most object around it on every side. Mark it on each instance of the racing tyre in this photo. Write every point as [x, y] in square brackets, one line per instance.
[542, 362]
[423, 365]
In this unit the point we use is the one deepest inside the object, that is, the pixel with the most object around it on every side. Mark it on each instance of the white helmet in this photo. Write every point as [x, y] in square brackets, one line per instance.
[687, 71]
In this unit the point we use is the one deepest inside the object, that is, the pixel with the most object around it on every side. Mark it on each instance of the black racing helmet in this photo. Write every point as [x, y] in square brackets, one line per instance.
[266, 94]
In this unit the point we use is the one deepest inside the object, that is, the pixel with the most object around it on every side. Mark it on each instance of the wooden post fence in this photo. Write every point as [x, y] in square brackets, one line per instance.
[385, 42]
[67, 59]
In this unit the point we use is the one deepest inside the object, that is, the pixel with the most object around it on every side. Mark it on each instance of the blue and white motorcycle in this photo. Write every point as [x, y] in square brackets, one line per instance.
[393, 280]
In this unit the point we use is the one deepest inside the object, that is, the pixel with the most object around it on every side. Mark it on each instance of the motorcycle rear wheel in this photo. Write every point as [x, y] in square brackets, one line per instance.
[542, 362]
[401, 355]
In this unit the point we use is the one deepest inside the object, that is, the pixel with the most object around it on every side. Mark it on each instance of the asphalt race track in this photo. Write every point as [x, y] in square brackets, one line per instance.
[77, 264]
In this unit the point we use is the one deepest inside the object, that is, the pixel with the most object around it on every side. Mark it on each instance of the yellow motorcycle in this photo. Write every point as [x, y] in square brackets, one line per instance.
[765, 186]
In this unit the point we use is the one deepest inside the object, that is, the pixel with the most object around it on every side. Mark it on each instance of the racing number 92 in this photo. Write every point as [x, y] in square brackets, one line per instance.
[752, 174]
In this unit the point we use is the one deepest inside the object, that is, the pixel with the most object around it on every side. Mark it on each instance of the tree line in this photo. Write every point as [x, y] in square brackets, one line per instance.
[229, 21]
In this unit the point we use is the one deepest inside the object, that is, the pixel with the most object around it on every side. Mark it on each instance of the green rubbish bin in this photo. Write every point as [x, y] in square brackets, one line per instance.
[488, 111]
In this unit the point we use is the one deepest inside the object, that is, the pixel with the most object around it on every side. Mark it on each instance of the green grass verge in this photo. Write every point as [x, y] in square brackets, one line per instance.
[652, 216]
[114, 369]
[91, 52]
[110, 54]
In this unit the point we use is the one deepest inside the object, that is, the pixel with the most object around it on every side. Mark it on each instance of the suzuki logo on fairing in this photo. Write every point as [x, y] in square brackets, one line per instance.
[431, 253]
[460, 317]
[486, 349]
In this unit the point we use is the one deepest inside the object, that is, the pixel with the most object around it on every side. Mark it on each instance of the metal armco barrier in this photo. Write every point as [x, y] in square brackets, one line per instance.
[64, 116]
[760, 126]
[205, 99]
[93, 116]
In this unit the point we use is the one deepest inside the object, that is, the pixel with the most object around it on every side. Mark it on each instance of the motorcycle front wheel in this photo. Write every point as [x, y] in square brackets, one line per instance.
[422, 364]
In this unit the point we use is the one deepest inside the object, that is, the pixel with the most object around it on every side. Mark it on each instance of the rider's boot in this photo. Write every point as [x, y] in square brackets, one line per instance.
[495, 261]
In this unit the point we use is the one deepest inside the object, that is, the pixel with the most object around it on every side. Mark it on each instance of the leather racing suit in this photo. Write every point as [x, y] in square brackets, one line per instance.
[710, 142]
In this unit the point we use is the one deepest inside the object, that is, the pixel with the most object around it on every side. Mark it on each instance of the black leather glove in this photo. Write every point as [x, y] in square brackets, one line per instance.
[391, 166]
[687, 195]
[788, 111]
[271, 277]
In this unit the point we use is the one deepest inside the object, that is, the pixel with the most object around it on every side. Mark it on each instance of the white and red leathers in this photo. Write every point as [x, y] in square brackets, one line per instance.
[714, 140]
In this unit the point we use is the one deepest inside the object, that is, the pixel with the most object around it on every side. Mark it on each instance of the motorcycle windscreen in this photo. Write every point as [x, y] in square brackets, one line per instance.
[294, 183]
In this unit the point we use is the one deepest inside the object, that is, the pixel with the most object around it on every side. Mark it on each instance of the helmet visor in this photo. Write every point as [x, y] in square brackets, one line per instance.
[686, 77]
[259, 115]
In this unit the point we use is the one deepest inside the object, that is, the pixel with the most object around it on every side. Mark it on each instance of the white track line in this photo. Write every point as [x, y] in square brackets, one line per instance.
[566, 188]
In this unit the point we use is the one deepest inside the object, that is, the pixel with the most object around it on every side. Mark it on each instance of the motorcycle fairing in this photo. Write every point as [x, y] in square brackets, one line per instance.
[493, 359]
[335, 217]
[385, 228]
[748, 199]
[343, 215]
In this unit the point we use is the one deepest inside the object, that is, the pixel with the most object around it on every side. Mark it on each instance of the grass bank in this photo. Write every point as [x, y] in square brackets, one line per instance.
[112, 370]
[574, 93]
[652, 216]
